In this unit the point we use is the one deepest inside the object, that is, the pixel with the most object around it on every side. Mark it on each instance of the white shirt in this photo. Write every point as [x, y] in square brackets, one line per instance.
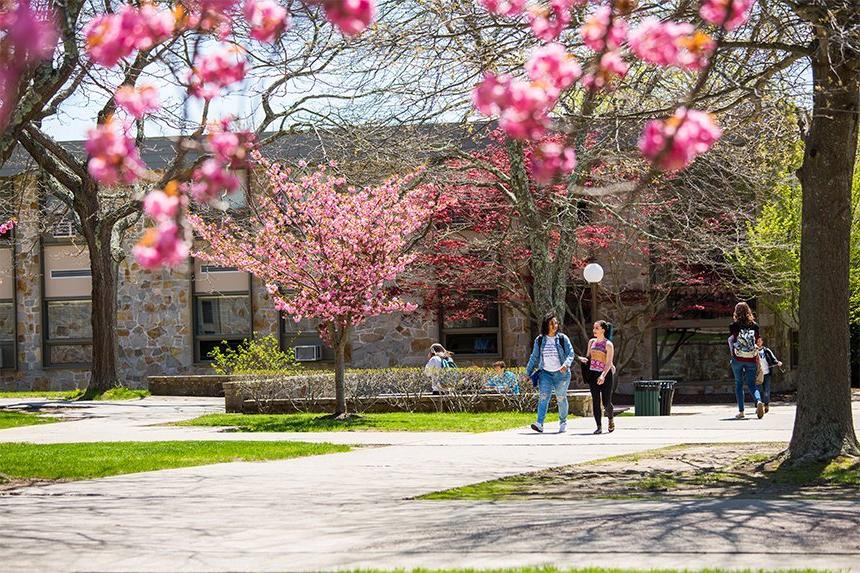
[765, 368]
[551, 362]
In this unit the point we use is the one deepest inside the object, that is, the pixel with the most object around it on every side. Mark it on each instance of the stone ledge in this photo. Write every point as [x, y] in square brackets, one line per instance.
[195, 385]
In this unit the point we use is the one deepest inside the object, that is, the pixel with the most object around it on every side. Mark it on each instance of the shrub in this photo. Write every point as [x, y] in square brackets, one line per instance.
[402, 389]
[253, 356]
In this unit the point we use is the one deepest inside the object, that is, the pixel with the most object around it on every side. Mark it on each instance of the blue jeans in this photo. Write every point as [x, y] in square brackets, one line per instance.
[746, 370]
[765, 388]
[552, 382]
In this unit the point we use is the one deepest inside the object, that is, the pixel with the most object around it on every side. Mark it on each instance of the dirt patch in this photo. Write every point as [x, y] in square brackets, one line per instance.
[697, 471]
[8, 485]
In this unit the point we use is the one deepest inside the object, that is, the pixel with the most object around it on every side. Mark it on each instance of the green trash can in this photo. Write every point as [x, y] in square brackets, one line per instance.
[646, 397]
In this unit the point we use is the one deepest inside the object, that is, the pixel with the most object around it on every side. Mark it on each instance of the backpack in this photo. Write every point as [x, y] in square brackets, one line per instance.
[448, 363]
[535, 376]
[744, 344]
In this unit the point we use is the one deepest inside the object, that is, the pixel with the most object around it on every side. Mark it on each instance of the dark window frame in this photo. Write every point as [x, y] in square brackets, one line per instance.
[196, 339]
[445, 332]
[47, 342]
[9, 237]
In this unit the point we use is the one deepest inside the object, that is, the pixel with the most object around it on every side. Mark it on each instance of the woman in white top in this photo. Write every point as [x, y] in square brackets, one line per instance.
[552, 355]
[439, 360]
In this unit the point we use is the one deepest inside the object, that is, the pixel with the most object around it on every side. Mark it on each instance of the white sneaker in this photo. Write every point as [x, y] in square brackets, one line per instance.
[739, 416]
[562, 428]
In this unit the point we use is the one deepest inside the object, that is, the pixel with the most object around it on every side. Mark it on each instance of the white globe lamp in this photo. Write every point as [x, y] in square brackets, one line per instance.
[592, 273]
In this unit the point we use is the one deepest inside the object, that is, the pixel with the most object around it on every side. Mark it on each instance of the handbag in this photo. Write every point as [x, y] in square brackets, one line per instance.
[759, 373]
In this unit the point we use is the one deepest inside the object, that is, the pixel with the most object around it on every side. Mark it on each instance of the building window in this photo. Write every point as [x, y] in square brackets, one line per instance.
[223, 313]
[67, 306]
[475, 336]
[794, 349]
[692, 354]
[7, 308]
[303, 337]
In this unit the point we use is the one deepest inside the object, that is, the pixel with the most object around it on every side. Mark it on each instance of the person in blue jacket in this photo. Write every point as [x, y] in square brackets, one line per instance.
[551, 357]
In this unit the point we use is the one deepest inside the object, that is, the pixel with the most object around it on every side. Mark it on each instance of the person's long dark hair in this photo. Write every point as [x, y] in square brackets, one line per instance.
[607, 327]
[544, 326]
[743, 314]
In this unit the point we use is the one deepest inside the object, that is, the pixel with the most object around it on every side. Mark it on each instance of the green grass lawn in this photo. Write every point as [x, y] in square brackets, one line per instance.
[16, 419]
[67, 395]
[118, 393]
[84, 461]
[387, 422]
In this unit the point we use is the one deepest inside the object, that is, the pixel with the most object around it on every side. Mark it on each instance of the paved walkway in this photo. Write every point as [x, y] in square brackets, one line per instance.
[351, 510]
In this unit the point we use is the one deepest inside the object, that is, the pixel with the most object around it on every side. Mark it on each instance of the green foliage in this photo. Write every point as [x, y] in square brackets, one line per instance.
[771, 263]
[16, 419]
[93, 460]
[382, 422]
[253, 356]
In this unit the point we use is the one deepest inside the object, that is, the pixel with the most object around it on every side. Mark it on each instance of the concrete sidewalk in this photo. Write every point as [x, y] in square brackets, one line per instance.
[350, 510]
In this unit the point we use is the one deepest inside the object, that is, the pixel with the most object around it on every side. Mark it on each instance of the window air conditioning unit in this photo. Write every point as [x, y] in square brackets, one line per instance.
[307, 353]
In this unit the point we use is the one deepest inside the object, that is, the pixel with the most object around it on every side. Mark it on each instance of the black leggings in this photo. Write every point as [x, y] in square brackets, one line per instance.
[598, 392]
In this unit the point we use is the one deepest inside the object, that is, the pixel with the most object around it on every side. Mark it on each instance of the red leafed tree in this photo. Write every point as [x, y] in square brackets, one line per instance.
[498, 230]
[326, 250]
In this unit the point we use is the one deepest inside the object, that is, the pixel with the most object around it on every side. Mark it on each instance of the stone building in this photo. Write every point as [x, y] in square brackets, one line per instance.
[168, 321]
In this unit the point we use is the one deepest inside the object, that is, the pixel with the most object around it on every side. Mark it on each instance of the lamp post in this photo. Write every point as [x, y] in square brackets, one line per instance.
[593, 274]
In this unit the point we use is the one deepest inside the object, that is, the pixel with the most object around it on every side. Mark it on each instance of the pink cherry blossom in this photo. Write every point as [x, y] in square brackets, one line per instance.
[551, 160]
[7, 227]
[504, 7]
[114, 158]
[27, 36]
[675, 142]
[553, 65]
[231, 148]
[266, 18]
[547, 23]
[138, 101]
[154, 26]
[492, 95]
[30, 35]
[164, 245]
[596, 32]
[526, 116]
[523, 106]
[211, 180]
[671, 44]
[350, 16]
[715, 12]
[612, 66]
[324, 250]
[112, 37]
[218, 68]
[161, 205]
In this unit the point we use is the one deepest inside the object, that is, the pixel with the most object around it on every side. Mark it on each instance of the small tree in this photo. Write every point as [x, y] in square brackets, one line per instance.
[325, 250]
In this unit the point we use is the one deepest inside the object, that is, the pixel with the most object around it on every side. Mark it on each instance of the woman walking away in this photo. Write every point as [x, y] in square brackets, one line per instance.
[744, 333]
[552, 355]
[767, 362]
[599, 373]
[439, 360]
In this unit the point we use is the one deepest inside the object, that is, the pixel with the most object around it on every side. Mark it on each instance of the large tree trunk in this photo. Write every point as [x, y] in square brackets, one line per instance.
[823, 427]
[104, 374]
